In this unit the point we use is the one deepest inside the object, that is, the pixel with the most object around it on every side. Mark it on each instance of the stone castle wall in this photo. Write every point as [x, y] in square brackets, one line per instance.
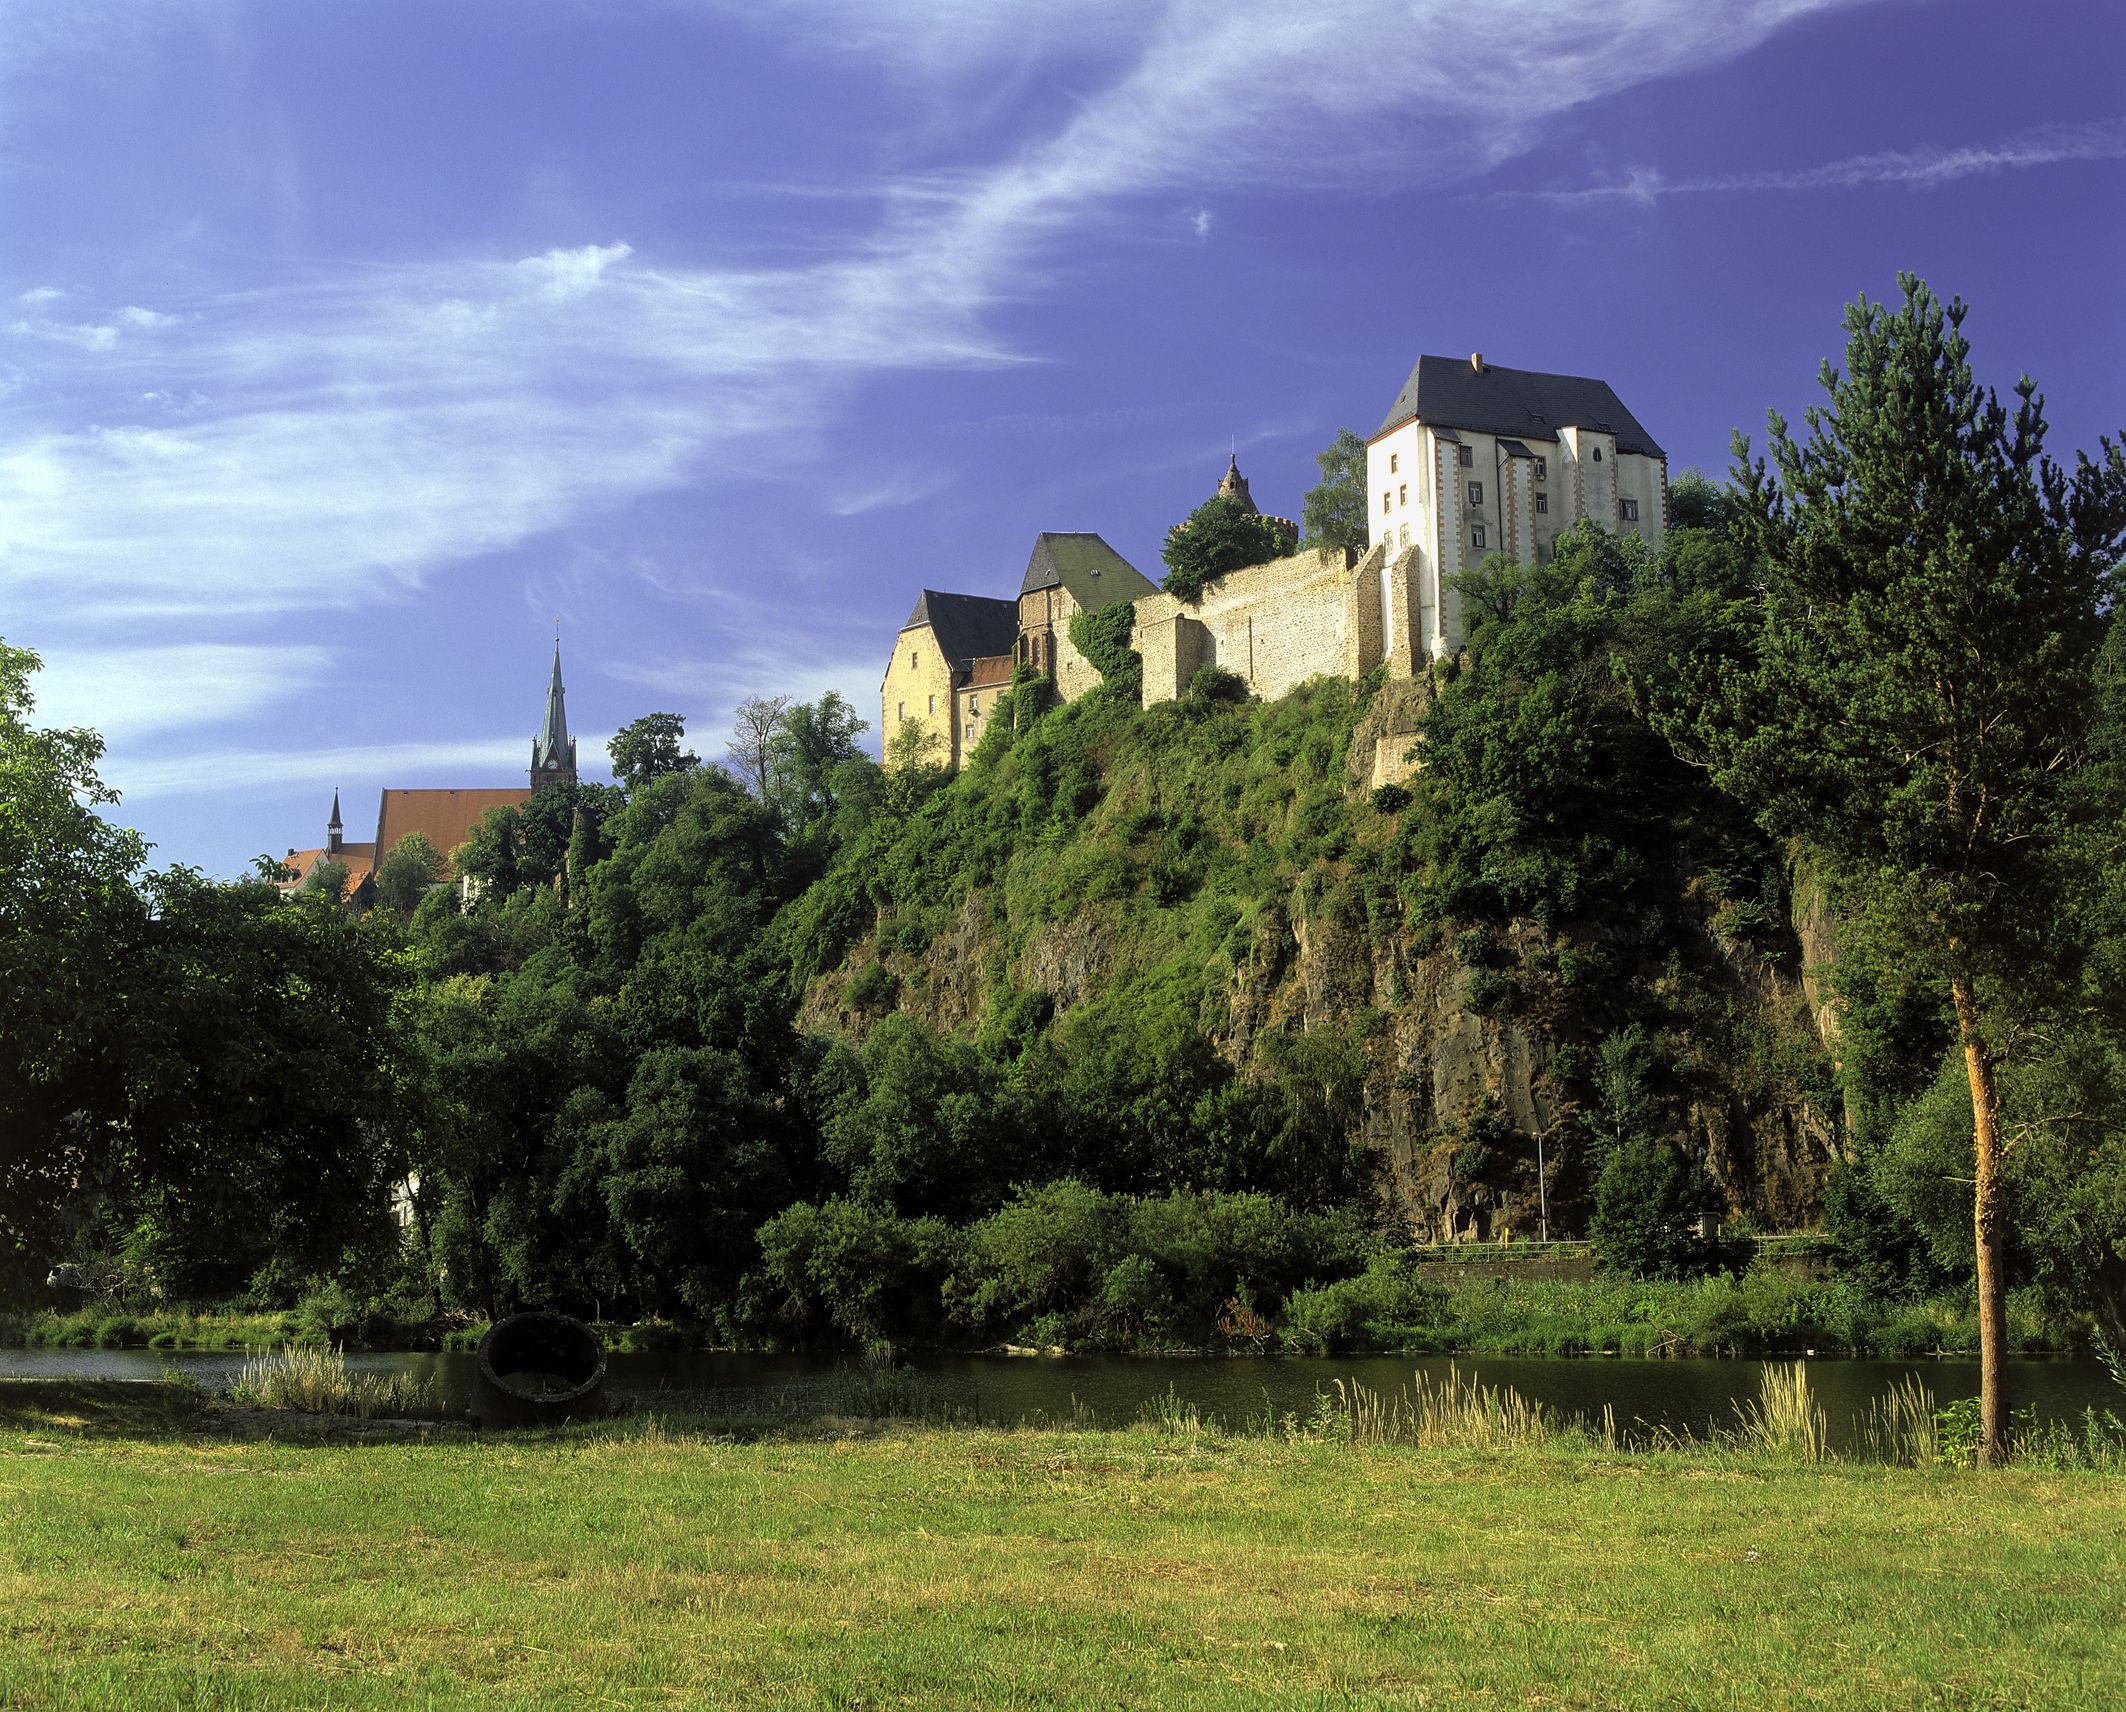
[1274, 625]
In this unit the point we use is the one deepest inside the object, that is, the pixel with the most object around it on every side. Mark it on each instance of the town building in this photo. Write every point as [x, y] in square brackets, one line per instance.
[446, 817]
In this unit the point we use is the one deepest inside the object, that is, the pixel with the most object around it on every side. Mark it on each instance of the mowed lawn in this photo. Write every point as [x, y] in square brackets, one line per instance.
[158, 1562]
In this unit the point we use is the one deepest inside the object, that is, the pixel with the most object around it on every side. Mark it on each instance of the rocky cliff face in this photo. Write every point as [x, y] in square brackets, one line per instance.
[1326, 950]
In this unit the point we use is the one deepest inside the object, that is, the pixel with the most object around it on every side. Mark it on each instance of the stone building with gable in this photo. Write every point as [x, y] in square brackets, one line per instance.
[950, 662]
[1070, 571]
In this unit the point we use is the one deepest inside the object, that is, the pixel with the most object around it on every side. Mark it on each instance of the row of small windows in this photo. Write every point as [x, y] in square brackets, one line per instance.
[1628, 509]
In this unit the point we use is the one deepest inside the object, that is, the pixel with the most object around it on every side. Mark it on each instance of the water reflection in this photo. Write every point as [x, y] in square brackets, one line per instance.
[1680, 1396]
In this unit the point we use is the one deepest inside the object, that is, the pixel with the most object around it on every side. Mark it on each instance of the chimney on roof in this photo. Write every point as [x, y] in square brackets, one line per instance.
[1476, 361]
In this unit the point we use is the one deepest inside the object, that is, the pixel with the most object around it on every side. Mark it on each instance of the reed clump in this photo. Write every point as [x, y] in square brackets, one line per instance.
[1451, 1413]
[317, 1382]
[1901, 1427]
[1785, 1422]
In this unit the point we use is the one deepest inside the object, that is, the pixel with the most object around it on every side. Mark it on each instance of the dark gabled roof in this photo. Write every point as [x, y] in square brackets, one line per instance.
[1450, 392]
[1514, 449]
[966, 626]
[1095, 574]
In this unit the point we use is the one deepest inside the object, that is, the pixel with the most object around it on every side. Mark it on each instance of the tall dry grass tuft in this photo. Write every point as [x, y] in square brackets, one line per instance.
[1785, 1421]
[1899, 1427]
[1171, 1416]
[1454, 1413]
[316, 1382]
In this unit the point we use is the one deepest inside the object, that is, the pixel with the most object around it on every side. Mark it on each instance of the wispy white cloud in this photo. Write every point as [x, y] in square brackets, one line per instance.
[347, 438]
[908, 487]
[361, 432]
[131, 692]
[1200, 222]
[360, 767]
[1901, 169]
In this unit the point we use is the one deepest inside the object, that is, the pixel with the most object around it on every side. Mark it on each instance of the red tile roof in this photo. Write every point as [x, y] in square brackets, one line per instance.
[446, 817]
[359, 859]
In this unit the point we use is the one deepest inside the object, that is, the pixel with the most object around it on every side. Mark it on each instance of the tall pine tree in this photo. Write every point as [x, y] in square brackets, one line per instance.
[1922, 688]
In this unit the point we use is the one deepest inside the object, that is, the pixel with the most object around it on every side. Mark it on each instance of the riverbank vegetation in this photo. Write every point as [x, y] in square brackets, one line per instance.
[1153, 1029]
[155, 1559]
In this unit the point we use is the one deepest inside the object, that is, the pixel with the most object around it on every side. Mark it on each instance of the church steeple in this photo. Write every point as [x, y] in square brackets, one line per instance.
[332, 826]
[553, 750]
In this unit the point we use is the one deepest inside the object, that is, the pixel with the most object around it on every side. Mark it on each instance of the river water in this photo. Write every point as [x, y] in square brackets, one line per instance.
[1688, 1396]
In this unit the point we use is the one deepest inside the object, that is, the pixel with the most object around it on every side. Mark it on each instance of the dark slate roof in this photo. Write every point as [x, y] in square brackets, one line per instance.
[1096, 575]
[967, 626]
[1446, 392]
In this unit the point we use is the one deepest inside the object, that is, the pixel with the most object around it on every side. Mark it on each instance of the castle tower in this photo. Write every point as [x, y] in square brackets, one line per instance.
[553, 759]
[333, 828]
[1234, 486]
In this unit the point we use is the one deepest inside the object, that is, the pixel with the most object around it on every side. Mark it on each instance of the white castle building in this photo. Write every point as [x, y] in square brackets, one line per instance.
[1473, 459]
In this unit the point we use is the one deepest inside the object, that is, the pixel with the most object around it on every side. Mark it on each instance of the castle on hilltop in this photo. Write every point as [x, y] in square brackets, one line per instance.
[1470, 459]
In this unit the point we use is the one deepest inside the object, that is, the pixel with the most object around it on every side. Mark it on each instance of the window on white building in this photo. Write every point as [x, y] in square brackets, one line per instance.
[1468, 456]
[1476, 493]
[1476, 535]
[974, 704]
[1402, 494]
[1598, 454]
[1395, 462]
[1402, 537]
[1628, 509]
[933, 704]
[1387, 503]
[914, 659]
[1542, 502]
[1542, 468]
[900, 712]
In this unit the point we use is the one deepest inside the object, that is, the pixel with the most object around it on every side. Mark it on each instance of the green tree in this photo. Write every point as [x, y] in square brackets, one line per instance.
[69, 925]
[756, 729]
[816, 741]
[1923, 686]
[1649, 1202]
[329, 878]
[1334, 512]
[489, 855]
[1220, 535]
[648, 748]
[1694, 502]
[404, 876]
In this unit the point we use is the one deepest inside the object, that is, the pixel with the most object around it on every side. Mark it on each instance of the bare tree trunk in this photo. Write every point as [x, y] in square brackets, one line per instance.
[1988, 1222]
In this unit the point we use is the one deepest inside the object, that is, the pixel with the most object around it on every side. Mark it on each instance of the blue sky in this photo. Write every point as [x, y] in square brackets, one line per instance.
[343, 347]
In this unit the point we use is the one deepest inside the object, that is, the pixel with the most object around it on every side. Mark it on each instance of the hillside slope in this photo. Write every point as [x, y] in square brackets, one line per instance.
[1221, 871]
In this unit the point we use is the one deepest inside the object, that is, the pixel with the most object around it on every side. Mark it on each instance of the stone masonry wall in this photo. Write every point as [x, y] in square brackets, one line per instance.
[1274, 625]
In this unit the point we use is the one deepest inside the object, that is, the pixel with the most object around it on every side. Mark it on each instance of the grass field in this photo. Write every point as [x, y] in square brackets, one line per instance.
[154, 1552]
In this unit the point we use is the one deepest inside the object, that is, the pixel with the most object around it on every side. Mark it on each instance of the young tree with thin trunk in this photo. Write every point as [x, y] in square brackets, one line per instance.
[755, 731]
[1923, 685]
